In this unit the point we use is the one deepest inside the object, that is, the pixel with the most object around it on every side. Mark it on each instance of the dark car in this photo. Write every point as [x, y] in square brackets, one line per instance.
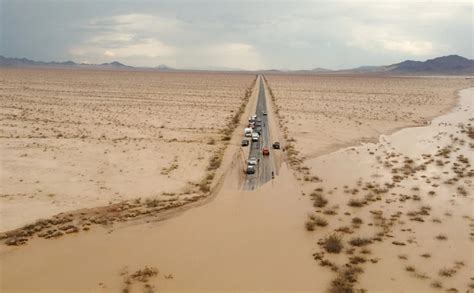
[276, 145]
[250, 169]
[258, 130]
[245, 142]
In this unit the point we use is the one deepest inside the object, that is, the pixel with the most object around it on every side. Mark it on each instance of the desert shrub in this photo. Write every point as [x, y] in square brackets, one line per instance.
[409, 269]
[365, 251]
[357, 203]
[204, 186]
[344, 229]
[446, 272]
[321, 222]
[358, 241]
[345, 280]
[145, 274]
[319, 200]
[310, 225]
[357, 260]
[214, 163]
[226, 137]
[436, 284]
[333, 243]
[211, 141]
[210, 176]
[356, 221]
[441, 237]
[330, 212]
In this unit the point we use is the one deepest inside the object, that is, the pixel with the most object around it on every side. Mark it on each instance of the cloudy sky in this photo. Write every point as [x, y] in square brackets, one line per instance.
[236, 34]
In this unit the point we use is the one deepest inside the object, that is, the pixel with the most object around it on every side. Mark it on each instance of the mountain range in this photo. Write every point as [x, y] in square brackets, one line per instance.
[450, 65]
[23, 62]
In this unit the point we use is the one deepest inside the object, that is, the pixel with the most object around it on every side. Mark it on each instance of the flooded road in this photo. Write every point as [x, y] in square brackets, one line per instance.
[265, 168]
[256, 241]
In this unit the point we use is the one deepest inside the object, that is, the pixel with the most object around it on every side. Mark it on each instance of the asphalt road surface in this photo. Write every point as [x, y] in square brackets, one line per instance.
[265, 167]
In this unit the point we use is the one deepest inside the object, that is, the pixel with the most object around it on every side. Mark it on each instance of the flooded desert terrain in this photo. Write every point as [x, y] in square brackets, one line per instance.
[357, 202]
[75, 139]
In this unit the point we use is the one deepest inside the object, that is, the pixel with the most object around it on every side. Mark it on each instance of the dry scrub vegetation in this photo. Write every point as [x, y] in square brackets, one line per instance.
[337, 111]
[393, 209]
[380, 204]
[74, 139]
[144, 277]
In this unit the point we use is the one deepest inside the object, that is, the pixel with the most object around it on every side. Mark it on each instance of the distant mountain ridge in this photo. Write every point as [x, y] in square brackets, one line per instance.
[24, 62]
[14, 62]
[320, 69]
[115, 64]
[451, 65]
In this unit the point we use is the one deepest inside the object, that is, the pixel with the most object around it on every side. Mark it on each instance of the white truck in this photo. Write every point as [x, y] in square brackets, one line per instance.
[248, 132]
[255, 136]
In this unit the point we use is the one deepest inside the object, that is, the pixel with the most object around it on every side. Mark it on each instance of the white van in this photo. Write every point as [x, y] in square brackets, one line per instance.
[248, 132]
[255, 136]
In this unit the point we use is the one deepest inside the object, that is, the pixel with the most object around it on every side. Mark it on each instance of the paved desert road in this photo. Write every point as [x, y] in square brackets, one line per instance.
[265, 166]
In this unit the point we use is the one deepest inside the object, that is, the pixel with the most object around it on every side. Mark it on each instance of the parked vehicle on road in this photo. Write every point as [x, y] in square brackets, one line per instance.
[258, 130]
[255, 136]
[245, 142]
[276, 145]
[248, 132]
[265, 151]
[252, 118]
[252, 161]
[250, 169]
[264, 113]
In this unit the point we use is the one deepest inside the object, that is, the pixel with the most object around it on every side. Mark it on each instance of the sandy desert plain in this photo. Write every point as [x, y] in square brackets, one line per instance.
[129, 181]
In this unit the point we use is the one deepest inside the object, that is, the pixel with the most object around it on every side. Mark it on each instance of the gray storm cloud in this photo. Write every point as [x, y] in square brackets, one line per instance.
[236, 34]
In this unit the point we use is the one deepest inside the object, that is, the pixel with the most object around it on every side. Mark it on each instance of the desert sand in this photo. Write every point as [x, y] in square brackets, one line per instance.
[379, 208]
[349, 209]
[75, 139]
[402, 207]
[323, 113]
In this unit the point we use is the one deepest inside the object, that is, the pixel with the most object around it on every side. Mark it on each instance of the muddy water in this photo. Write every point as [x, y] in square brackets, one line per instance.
[346, 166]
[453, 211]
[239, 241]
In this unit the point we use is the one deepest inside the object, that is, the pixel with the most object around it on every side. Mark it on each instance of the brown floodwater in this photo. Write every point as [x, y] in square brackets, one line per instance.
[342, 171]
[239, 241]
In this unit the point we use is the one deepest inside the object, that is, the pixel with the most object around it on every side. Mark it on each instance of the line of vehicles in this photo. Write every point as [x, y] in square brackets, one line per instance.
[253, 132]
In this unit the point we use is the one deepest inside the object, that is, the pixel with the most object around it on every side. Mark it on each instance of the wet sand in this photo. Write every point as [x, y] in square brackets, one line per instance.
[255, 241]
[414, 192]
[242, 241]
